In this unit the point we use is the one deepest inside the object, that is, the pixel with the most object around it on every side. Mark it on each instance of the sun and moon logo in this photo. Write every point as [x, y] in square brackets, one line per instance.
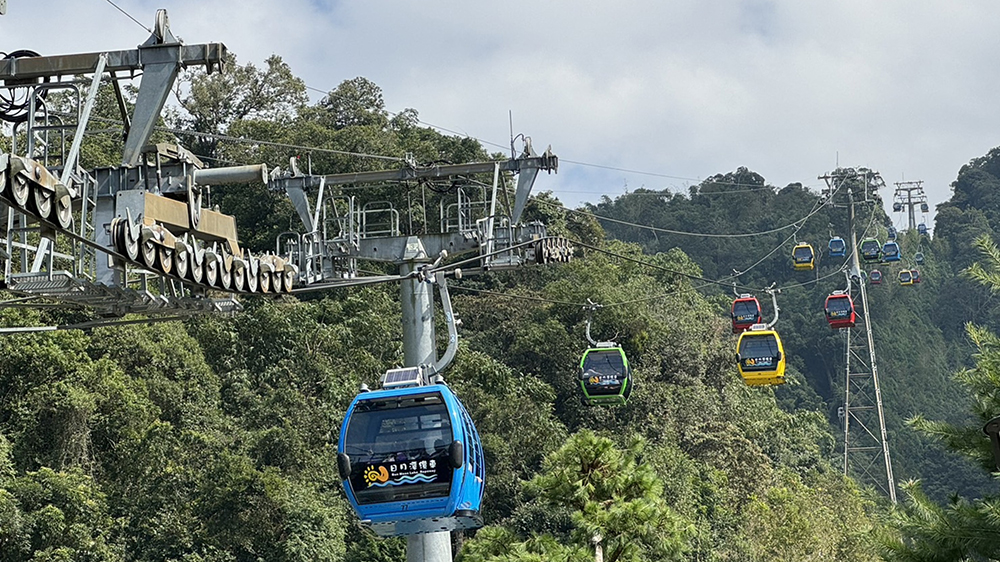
[376, 476]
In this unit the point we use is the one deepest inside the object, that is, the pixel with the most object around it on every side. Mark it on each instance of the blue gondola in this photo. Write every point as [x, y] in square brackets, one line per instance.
[838, 248]
[922, 229]
[892, 233]
[897, 206]
[411, 461]
[890, 251]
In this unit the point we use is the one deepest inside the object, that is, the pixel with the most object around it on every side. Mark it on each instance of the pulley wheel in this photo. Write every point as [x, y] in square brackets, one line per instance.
[64, 212]
[265, 279]
[19, 190]
[131, 242]
[165, 259]
[225, 277]
[288, 280]
[277, 284]
[3, 180]
[196, 271]
[253, 270]
[239, 275]
[211, 269]
[181, 262]
[42, 202]
[149, 253]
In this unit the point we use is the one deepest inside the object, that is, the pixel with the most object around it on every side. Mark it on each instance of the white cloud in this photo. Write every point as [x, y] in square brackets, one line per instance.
[682, 88]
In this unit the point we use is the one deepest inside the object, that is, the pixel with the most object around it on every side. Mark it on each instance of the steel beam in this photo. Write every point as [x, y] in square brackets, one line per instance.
[548, 162]
[16, 72]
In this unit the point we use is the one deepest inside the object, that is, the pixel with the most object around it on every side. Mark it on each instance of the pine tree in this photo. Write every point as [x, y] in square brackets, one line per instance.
[964, 529]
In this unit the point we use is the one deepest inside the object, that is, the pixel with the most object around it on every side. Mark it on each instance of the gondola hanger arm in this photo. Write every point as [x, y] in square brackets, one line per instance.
[774, 298]
[449, 315]
[590, 307]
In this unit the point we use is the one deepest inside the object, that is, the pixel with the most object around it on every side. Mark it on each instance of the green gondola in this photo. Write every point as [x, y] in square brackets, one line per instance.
[605, 376]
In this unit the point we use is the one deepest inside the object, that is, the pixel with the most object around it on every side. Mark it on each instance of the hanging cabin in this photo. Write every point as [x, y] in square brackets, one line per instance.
[837, 247]
[871, 250]
[745, 312]
[890, 252]
[803, 257]
[760, 358]
[839, 309]
[605, 376]
[411, 461]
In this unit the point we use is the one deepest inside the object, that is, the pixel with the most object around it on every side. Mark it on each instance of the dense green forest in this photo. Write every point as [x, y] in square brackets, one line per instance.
[214, 439]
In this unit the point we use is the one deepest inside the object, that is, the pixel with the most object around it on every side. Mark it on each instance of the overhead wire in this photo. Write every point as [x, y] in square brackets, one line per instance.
[685, 233]
[137, 22]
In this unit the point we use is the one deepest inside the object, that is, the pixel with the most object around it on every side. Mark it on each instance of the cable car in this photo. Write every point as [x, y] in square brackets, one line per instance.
[839, 309]
[745, 313]
[838, 248]
[905, 277]
[890, 251]
[412, 461]
[803, 257]
[922, 229]
[760, 357]
[924, 207]
[915, 275]
[871, 250]
[605, 376]
[876, 277]
[919, 258]
[897, 206]
[892, 233]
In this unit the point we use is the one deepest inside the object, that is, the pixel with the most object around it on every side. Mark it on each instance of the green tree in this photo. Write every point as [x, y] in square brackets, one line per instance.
[964, 529]
[611, 496]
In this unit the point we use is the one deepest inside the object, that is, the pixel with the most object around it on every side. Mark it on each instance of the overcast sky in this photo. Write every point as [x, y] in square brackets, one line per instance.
[677, 89]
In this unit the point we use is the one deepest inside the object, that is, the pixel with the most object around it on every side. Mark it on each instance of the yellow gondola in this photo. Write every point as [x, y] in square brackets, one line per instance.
[760, 357]
[803, 256]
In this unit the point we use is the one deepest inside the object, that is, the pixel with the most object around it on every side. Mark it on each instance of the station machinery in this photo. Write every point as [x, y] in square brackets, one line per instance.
[141, 237]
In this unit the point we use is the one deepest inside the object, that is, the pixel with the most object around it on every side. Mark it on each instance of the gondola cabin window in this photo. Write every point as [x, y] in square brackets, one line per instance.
[746, 312]
[399, 449]
[604, 371]
[758, 353]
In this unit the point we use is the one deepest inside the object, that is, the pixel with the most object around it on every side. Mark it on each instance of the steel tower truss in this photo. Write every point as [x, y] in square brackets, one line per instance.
[866, 447]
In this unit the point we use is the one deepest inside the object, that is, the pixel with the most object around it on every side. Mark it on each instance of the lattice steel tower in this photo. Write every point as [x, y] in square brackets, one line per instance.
[866, 447]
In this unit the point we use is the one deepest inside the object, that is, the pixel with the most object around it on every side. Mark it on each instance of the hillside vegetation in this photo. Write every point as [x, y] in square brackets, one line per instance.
[214, 439]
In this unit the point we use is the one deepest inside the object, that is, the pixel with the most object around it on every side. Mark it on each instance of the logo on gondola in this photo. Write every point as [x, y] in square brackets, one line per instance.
[758, 362]
[373, 475]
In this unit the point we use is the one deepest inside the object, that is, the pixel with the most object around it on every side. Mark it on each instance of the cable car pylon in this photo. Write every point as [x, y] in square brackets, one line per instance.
[866, 447]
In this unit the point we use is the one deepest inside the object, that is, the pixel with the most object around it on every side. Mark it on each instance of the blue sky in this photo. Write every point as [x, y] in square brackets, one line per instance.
[684, 88]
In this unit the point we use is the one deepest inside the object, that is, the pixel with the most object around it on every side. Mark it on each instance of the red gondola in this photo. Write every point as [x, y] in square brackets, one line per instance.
[916, 275]
[745, 313]
[875, 277]
[839, 310]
